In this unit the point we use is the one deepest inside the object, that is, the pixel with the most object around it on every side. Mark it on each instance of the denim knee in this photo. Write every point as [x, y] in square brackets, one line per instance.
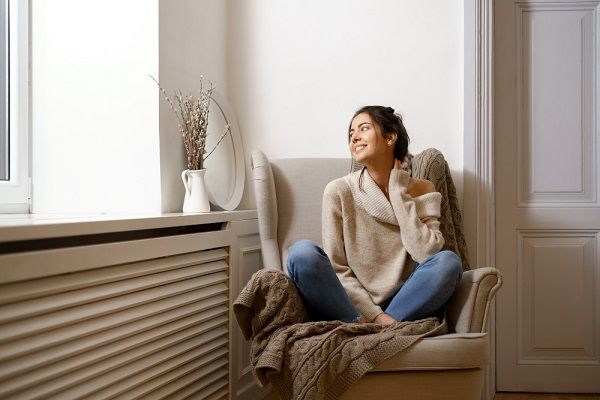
[450, 265]
[304, 257]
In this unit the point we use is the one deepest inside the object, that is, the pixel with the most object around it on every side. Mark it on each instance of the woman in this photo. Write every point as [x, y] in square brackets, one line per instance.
[381, 260]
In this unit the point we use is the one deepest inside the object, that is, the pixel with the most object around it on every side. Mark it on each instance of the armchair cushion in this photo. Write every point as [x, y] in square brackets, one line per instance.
[451, 351]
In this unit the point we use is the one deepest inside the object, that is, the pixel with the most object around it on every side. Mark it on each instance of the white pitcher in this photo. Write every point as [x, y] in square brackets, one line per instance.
[196, 196]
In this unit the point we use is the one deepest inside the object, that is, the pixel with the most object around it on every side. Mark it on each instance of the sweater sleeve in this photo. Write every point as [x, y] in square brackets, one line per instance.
[417, 218]
[333, 245]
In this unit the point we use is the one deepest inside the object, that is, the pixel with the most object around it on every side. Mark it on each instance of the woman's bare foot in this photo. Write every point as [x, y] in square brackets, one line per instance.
[384, 319]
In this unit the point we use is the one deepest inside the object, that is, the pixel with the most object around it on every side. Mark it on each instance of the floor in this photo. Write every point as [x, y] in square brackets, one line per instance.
[520, 396]
[545, 396]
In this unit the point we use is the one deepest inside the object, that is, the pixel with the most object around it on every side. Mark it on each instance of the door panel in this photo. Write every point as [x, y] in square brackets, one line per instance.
[555, 75]
[547, 201]
[556, 276]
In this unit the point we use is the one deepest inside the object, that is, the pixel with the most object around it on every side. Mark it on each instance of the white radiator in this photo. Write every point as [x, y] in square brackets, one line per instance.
[148, 329]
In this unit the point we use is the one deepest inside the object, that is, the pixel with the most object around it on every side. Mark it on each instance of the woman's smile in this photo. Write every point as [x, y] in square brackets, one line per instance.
[359, 147]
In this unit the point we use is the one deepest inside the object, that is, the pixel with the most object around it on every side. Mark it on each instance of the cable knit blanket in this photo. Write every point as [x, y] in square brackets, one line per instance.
[313, 360]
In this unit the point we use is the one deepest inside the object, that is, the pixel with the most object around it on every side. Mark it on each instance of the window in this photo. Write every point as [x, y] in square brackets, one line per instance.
[4, 90]
[14, 106]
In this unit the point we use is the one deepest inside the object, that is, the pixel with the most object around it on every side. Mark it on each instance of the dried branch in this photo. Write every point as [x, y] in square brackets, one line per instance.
[226, 131]
[192, 115]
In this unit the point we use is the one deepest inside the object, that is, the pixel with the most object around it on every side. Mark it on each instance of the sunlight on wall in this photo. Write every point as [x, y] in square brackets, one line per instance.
[299, 69]
[94, 108]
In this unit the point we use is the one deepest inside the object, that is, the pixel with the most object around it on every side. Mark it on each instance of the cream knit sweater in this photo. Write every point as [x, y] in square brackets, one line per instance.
[371, 241]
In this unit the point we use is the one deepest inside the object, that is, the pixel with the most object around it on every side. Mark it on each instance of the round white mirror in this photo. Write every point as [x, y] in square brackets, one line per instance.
[225, 166]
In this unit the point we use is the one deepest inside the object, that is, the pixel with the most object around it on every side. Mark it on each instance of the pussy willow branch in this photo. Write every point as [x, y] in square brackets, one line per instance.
[167, 98]
[192, 115]
[226, 131]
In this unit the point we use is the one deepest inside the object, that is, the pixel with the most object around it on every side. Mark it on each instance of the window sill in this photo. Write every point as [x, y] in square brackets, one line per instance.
[22, 227]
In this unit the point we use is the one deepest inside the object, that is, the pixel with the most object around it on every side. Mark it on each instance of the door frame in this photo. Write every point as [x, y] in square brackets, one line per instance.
[478, 149]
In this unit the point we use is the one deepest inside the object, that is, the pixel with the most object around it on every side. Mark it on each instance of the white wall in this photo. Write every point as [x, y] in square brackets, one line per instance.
[293, 71]
[299, 69]
[193, 42]
[94, 109]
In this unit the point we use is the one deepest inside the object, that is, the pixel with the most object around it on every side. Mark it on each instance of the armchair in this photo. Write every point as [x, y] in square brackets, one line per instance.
[452, 366]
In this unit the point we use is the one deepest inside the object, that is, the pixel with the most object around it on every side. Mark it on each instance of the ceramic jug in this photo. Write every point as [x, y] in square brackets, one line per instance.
[196, 196]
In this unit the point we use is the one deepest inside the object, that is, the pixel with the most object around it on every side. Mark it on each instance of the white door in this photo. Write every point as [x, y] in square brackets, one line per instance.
[547, 171]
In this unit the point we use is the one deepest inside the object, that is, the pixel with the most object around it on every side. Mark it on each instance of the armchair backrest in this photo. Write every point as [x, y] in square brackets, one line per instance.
[288, 194]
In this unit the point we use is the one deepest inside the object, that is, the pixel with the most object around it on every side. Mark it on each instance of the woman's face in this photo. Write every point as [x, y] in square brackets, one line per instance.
[366, 142]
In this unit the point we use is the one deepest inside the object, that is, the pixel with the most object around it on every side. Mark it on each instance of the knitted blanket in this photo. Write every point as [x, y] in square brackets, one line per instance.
[430, 164]
[313, 360]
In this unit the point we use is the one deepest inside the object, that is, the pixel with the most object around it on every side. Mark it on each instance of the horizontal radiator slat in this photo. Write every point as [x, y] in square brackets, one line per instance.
[98, 326]
[178, 378]
[47, 369]
[191, 385]
[63, 283]
[141, 329]
[28, 308]
[21, 266]
[56, 319]
[140, 384]
[220, 394]
[124, 364]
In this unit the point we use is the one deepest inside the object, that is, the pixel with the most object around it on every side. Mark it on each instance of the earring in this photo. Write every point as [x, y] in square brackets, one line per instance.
[390, 143]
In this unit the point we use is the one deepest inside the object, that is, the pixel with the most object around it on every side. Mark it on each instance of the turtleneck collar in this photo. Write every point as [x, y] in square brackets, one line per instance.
[370, 197]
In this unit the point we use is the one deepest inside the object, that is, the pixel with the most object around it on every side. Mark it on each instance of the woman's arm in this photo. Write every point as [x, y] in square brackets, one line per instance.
[420, 234]
[333, 245]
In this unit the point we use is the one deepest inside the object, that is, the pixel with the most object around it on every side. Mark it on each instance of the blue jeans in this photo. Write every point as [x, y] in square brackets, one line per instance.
[426, 290]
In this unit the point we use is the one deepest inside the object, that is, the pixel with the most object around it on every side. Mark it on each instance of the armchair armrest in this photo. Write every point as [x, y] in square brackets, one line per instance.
[266, 207]
[468, 309]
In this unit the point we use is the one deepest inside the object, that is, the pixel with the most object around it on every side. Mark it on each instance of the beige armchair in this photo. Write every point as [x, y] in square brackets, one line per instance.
[288, 196]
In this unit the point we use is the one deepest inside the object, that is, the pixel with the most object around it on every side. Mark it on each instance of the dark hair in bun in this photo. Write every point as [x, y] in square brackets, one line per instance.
[388, 122]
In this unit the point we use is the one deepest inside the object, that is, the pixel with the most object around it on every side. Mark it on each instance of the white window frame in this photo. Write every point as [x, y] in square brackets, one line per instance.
[4, 141]
[15, 194]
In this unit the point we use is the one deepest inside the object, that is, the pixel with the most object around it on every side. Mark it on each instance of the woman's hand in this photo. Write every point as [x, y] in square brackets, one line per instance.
[416, 187]
[397, 164]
[384, 319]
